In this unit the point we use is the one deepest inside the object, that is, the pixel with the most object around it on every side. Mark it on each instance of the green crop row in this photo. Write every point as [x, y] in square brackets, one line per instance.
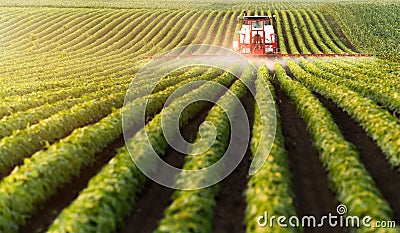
[221, 32]
[270, 188]
[375, 74]
[173, 35]
[349, 179]
[316, 25]
[192, 211]
[12, 156]
[116, 187]
[384, 95]
[21, 120]
[45, 34]
[303, 27]
[192, 30]
[279, 31]
[214, 26]
[305, 33]
[30, 185]
[77, 40]
[372, 27]
[115, 55]
[22, 143]
[314, 33]
[319, 18]
[25, 102]
[231, 30]
[289, 34]
[379, 124]
[296, 27]
[28, 87]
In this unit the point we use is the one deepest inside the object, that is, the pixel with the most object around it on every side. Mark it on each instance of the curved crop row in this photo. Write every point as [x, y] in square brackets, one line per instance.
[349, 179]
[289, 36]
[110, 58]
[32, 184]
[25, 102]
[23, 119]
[319, 33]
[231, 29]
[271, 184]
[310, 42]
[32, 116]
[192, 211]
[221, 32]
[23, 143]
[316, 36]
[279, 31]
[297, 34]
[374, 74]
[317, 16]
[379, 124]
[12, 90]
[65, 121]
[123, 179]
[41, 36]
[305, 33]
[373, 28]
[383, 94]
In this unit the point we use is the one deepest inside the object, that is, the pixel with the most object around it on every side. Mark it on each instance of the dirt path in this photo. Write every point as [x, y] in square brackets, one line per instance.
[231, 203]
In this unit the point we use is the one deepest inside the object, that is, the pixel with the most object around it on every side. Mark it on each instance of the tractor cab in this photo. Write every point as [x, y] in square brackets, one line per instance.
[257, 36]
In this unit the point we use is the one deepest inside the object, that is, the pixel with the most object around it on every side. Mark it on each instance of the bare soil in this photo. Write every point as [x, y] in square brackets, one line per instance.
[231, 203]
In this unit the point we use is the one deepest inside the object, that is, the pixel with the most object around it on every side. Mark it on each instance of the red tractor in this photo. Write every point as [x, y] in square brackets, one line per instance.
[257, 36]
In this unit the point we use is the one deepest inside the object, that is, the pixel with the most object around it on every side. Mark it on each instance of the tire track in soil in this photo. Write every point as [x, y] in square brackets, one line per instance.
[155, 198]
[65, 195]
[231, 201]
[309, 179]
[387, 180]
